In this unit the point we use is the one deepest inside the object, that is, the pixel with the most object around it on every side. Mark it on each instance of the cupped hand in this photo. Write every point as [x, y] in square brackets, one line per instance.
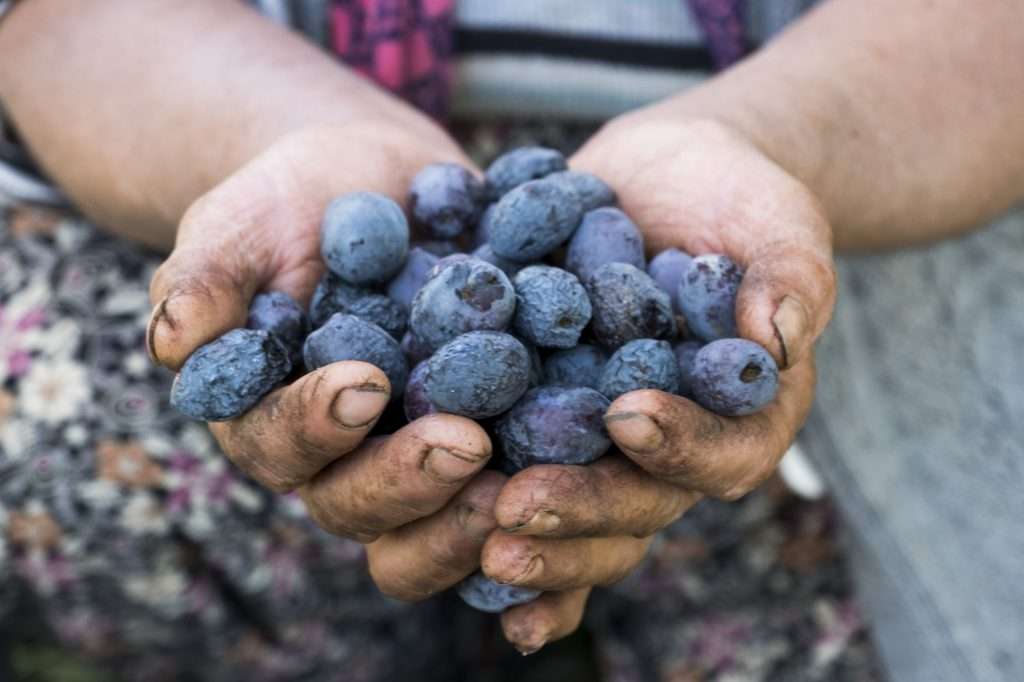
[700, 186]
[260, 230]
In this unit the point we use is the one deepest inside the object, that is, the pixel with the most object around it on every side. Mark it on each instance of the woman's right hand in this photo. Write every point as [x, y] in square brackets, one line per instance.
[415, 494]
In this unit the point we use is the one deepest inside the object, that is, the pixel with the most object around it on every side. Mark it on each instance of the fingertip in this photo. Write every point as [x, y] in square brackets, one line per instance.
[525, 630]
[363, 395]
[486, 489]
[529, 627]
[513, 496]
[786, 301]
[475, 504]
[782, 327]
[633, 421]
[453, 431]
[509, 559]
[195, 311]
[530, 500]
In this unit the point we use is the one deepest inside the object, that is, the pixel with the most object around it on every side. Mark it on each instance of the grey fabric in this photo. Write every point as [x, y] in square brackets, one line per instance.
[918, 428]
[489, 86]
[765, 19]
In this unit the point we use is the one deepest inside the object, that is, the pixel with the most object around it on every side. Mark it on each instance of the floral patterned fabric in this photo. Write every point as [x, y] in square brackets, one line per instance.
[139, 545]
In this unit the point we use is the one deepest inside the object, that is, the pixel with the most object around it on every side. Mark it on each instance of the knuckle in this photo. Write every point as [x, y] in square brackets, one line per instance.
[252, 466]
[245, 442]
[446, 554]
[277, 483]
[320, 512]
[395, 584]
[754, 477]
[676, 464]
[396, 590]
[735, 492]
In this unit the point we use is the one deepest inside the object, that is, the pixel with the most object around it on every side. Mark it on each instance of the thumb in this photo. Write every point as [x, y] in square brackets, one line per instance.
[786, 298]
[198, 294]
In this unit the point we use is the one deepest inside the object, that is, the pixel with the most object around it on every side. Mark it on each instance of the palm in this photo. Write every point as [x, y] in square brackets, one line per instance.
[703, 188]
[267, 215]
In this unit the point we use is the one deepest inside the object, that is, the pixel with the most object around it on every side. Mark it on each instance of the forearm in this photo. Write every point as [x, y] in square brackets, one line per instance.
[137, 107]
[904, 118]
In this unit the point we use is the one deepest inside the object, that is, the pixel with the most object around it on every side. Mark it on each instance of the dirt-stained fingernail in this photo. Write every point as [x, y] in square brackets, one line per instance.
[476, 522]
[358, 406]
[790, 322]
[540, 523]
[447, 466]
[634, 431]
[157, 318]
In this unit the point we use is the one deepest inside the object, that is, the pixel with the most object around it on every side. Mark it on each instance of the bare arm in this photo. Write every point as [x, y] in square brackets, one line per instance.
[199, 122]
[905, 119]
[137, 107]
[871, 124]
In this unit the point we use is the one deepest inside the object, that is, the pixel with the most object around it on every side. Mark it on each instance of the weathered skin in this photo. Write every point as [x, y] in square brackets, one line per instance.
[644, 363]
[667, 269]
[483, 594]
[592, 191]
[364, 238]
[554, 425]
[552, 307]
[346, 337]
[445, 198]
[416, 403]
[533, 220]
[514, 168]
[467, 295]
[628, 305]
[413, 275]
[707, 296]
[734, 377]
[226, 377]
[685, 352]
[579, 366]
[478, 375]
[279, 314]
[605, 235]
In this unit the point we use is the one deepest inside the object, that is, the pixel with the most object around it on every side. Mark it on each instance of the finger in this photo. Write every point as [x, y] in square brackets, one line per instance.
[786, 298]
[552, 564]
[613, 496]
[433, 553]
[682, 443]
[394, 480]
[299, 429]
[548, 618]
[195, 301]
